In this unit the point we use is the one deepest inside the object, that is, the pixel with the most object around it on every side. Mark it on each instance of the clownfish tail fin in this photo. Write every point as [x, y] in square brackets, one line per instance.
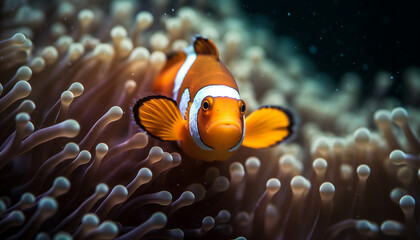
[174, 58]
[205, 46]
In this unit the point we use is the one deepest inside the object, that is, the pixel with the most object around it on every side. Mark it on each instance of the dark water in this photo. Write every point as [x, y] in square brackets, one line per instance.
[362, 36]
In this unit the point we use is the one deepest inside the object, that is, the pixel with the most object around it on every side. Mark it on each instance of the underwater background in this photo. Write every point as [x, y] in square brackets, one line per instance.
[343, 36]
[74, 165]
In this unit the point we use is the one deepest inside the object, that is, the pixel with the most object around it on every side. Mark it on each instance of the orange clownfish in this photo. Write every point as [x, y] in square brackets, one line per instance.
[200, 108]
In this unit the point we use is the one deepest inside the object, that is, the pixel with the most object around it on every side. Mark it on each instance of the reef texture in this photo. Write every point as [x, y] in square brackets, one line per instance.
[73, 164]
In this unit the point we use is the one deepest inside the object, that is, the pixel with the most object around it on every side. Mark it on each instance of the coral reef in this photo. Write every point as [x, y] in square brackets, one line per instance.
[73, 164]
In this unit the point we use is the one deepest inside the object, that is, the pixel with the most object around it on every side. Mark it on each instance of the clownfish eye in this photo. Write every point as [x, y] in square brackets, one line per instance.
[206, 105]
[242, 106]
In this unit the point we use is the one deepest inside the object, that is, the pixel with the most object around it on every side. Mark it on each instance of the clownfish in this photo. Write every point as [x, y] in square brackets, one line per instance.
[200, 108]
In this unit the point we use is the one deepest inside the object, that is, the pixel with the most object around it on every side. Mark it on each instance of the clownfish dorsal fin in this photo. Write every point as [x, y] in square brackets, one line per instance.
[268, 126]
[160, 117]
[205, 46]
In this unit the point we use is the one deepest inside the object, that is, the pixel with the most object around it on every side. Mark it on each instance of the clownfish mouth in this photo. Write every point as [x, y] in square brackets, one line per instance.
[228, 134]
[224, 126]
[223, 134]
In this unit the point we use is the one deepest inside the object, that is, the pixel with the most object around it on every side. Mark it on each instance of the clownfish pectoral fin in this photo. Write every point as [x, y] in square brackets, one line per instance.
[205, 46]
[160, 117]
[267, 126]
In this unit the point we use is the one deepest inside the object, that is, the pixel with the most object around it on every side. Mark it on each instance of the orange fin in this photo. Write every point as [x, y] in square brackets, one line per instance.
[174, 58]
[160, 117]
[205, 46]
[268, 126]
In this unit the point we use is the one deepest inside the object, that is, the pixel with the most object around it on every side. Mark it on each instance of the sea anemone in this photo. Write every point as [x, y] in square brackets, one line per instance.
[73, 164]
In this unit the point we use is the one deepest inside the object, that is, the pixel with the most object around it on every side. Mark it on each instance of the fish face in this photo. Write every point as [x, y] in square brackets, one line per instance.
[221, 122]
